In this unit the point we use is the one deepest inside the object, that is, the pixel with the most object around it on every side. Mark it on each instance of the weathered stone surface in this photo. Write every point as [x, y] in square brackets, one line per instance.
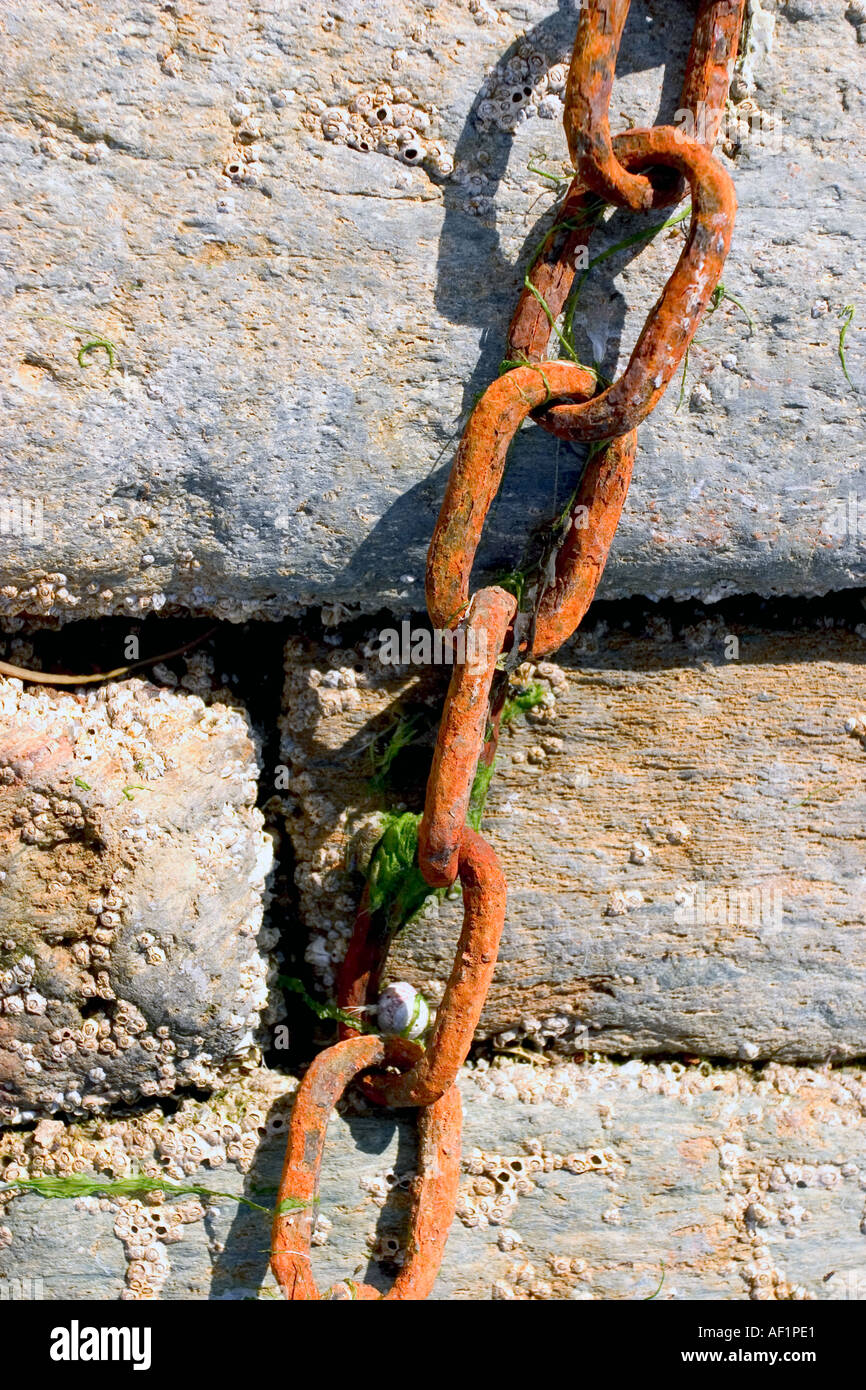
[300, 325]
[682, 837]
[132, 872]
[708, 1183]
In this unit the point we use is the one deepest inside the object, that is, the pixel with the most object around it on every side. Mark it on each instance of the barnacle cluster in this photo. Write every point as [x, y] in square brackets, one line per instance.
[525, 84]
[46, 819]
[383, 1184]
[766, 1282]
[497, 1181]
[387, 120]
[16, 995]
[761, 1202]
[45, 593]
[561, 1033]
[77, 841]
[145, 1231]
[200, 1137]
[49, 593]
[245, 165]
[524, 1281]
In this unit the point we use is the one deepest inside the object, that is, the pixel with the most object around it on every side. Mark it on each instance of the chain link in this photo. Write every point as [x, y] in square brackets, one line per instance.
[597, 161]
[433, 1192]
[640, 169]
[674, 318]
[461, 735]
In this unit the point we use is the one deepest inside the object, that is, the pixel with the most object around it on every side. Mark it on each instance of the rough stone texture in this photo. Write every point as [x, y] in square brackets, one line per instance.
[300, 325]
[708, 1183]
[682, 837]
[132, 872]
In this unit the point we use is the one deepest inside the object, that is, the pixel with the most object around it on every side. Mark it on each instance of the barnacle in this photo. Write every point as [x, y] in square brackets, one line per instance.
[385, 120]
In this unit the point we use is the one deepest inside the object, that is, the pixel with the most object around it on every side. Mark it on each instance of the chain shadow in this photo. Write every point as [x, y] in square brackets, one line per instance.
[372, 1135]
[240, 1266]
[477, 284]
[484, 292]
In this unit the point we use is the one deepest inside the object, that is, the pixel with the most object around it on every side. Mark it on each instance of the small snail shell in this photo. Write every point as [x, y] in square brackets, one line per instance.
[403, 1010]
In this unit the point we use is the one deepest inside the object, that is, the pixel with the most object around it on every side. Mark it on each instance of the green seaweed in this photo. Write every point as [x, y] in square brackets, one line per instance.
[396, 886]
[546, 174]
[514, 582]
[386, 748]
[682, 394]
[93, 341]
[846, 316]
[478, 795]
[720, 294]
[525, 698]
[92, 1185]
[97, 344]
[321, 1010]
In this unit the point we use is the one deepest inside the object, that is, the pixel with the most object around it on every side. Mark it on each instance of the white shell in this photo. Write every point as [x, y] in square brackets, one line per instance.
[403, 1010]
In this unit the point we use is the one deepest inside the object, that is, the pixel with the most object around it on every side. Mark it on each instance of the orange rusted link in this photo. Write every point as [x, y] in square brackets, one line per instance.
[599, 501]
[587, 100]
[590, 81]
[715, 40]
[433, 1193]
[603, 487]
[675, 316]
[359, 979]
[712, 55]
[360, 974]
[581, 559]
[477, 472]
[361, 970]
[484, 896]
[551, 276]
[461, 736]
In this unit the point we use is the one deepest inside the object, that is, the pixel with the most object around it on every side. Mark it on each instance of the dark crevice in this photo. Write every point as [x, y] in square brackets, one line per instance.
[167, 1105]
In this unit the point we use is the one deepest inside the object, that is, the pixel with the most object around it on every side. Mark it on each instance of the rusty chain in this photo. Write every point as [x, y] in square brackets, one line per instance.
[639, 170]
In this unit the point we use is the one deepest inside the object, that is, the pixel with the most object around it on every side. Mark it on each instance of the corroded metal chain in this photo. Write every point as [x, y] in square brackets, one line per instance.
[641, 169]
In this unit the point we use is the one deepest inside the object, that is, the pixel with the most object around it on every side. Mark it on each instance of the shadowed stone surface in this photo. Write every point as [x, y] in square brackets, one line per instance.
[300, 326]
[707, 1183]
[681, 834]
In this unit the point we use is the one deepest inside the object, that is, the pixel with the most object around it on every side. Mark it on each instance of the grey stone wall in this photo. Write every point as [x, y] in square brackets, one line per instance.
[681, 834]
[581, 1182]
[303, 304]
[258, 264]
